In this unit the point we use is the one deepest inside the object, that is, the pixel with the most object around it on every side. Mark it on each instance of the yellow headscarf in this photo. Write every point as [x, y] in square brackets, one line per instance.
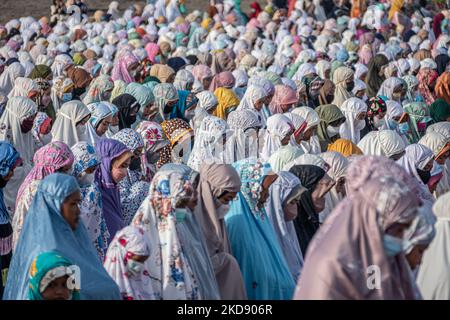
[344, 147]
[226, 98]
[396, 6]
[206, 23]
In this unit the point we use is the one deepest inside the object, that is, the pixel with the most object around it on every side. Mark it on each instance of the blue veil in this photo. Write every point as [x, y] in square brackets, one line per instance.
[45, 229]
[253, 240]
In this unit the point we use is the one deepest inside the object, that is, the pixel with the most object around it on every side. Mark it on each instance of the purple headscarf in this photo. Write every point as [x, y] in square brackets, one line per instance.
[108, 150]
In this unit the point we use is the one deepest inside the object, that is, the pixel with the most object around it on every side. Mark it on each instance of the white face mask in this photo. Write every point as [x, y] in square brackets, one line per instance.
[86, 179]
[332, 131]
[114, 129]
[81, 130]
[134, 268]
[360, 124]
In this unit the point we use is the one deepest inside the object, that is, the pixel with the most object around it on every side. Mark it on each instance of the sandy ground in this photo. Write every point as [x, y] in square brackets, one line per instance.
[10, 9]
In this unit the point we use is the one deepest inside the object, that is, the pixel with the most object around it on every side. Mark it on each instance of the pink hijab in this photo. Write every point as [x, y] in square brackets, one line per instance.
[120, 70]
[152, 51]
[342, 254]
[201, 72]
[283, 96]
[224, 79]
[47, 160]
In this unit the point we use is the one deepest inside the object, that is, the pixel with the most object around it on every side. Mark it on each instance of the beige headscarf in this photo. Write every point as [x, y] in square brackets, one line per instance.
[215, 179]
[162, 72]
[339, 77]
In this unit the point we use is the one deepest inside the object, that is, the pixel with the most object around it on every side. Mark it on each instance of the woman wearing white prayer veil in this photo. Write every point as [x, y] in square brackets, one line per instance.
[101, 118]
[9, 76]
[386, 143]
[338, 167]
[440, 145]
[244, 142]
[281, 208]
[418, 161]
[310, 142]
[15, 127]
[70, 123]
[343, 79]
[392, 88]
[354, 110]
[207, 102]
[433, 278]
[278, 133]
[254, 100]
[209, 143]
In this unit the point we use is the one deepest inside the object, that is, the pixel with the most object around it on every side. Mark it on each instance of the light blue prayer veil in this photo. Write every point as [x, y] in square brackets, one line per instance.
[45, 229]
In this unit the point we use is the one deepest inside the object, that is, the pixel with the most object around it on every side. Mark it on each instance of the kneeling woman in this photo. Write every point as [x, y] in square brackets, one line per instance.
[52, 224]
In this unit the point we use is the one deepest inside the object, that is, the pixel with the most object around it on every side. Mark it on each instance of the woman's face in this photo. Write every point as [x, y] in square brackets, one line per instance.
[361, 115]
[327, 74]
[107, 95]
[309, 133]
[119, 167]
[206, 82]
[148, 113]
[290, 210]
[70, 209]
[259, 104]
[227, 197]
[340, 186]
[103, 126]
[415, 256]
[287, 138]
[397, 229]
[444, 156]
[268, 99]
[57, 290]
[428, 166]
[115, 120]
[363, 77]
[83, 121]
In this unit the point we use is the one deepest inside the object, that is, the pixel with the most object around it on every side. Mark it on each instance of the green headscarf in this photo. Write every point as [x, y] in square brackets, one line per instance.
[142, 94]
[439, 110]
[418, 112]
[79, 59]
[334, 65]
[39, 271]
[40, 71]
[328, 113]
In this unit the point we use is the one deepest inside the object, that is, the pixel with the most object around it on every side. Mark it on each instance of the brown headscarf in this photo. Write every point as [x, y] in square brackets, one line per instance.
[79, 34]
[326, 90]
[442, 89]
[215, 179]
[162, 72]
[422, 54]
[80, 77]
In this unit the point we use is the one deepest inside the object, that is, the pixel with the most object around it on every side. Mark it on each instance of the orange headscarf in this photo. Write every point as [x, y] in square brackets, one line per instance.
[345, 147]
[442, 88]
